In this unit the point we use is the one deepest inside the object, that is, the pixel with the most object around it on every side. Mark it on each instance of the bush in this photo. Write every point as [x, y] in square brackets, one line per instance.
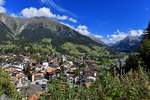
[132, 86]
[6, 86]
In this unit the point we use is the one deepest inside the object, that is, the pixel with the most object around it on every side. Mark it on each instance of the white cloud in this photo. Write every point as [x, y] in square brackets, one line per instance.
[73, 20]
[99, 36]
[64, 17]
[2, 9]
[34, 12]
[83, 30]
[66, 24]
[44, 12]
[41, 12]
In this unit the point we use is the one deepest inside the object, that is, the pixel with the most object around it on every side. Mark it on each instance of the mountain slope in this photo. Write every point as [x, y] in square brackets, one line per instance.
[5, 33]
[37, 28]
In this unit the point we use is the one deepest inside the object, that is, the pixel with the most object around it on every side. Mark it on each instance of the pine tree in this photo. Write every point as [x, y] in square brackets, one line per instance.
[147, 32]
[145, 48]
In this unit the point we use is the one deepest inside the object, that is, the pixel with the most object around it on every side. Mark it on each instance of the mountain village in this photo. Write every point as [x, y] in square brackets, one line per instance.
[31, 77]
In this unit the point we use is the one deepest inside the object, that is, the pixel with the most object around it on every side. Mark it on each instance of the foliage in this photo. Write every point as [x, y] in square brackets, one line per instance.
[93, 52]
[70, 49]
[132, 86]
[132, 63]
[60, 90]
[145, 48]
[6, 85]
[44, 47]
[128, 87]
[145, 53]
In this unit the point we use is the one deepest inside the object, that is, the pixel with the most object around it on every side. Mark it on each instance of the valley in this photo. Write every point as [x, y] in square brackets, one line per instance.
[42, 59]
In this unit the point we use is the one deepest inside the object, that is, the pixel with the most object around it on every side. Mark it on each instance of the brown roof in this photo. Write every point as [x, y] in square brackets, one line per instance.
[50, 69]
[38, 74]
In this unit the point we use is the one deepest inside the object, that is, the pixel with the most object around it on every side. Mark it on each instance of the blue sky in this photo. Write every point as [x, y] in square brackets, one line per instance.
[99, 17]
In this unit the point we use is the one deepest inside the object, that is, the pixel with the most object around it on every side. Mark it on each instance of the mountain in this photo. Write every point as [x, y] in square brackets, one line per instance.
[37, 28]
[5, 32]
[129, 44]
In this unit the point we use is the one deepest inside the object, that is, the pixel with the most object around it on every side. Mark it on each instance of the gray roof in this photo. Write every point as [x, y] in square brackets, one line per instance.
[32, 89]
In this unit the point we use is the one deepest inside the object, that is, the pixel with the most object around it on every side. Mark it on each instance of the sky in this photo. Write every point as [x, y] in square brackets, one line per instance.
[109, 20]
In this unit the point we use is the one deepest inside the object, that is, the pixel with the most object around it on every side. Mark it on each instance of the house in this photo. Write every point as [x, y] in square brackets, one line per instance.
[12, 69]
[52, 72]
[18, 65]
[87, 74]
[22, 82]
[37, 76]
[54, 61]
[42, 83]
[32, 90]
[39, 68]
[90, 75]
[45, 64]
